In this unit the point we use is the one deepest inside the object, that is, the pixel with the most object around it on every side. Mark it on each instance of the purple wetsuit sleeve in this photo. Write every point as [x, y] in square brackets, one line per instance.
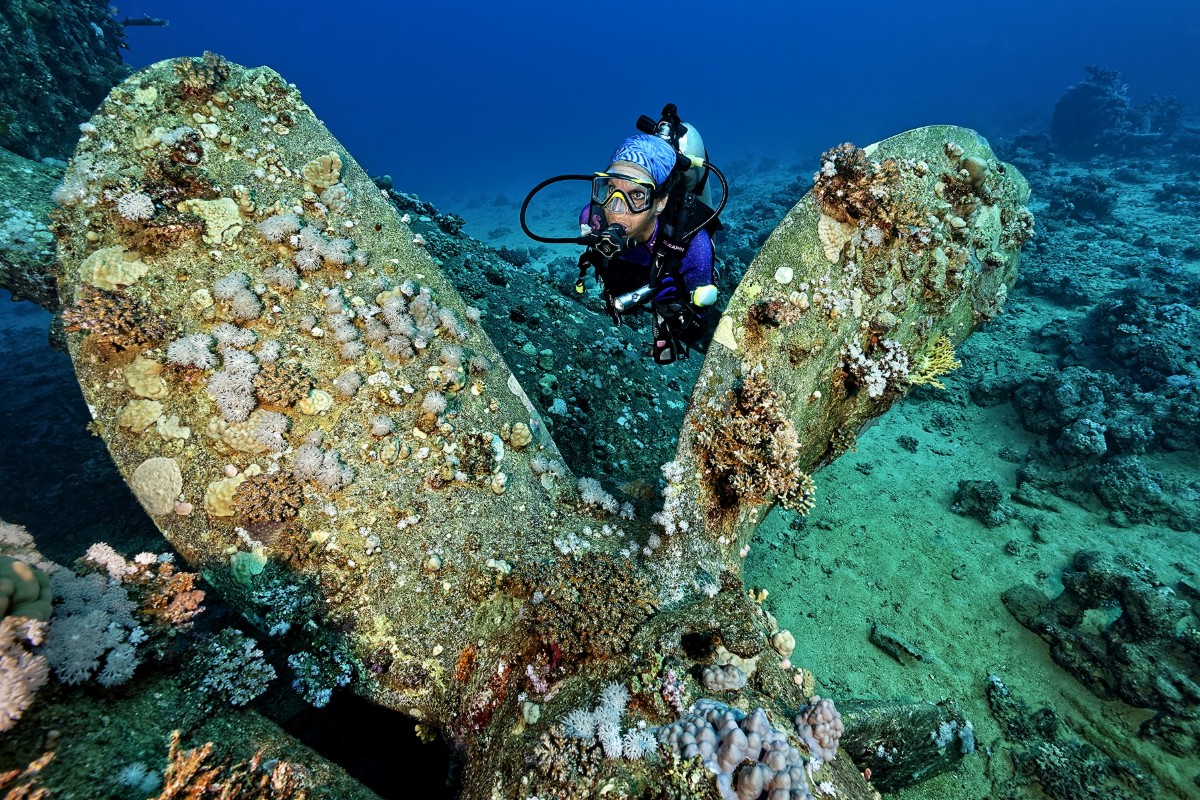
[697, 267]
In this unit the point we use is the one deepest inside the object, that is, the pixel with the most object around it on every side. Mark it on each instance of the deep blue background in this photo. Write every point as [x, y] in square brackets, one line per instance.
[461, 97]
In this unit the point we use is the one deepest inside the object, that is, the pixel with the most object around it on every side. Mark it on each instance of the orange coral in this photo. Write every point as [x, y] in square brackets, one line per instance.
[22, 784]
[189, 776]
[169, 598]
[854, 189]
[169, 229]
[116, 320]
[748, 446]
[464, 667]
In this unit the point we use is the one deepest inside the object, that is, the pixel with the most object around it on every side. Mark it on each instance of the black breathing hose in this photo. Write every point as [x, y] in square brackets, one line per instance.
[588, 239]
[717, 212]
[547, 239]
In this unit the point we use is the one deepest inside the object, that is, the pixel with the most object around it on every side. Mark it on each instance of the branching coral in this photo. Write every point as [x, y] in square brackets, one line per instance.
[938, 361]
[567, 761]
[268, 499]
[749, 447]
[199, 78]
[22, 671]
[803, 498]
[189, 775]
[855, 190]
[162, 600]
[167, 598]
[116, 320]
[282, 384]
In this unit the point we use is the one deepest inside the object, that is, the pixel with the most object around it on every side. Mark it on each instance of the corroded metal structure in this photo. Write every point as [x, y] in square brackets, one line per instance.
[313, 416]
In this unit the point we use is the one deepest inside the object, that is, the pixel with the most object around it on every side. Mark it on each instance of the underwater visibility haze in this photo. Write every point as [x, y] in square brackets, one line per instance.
[320, 477]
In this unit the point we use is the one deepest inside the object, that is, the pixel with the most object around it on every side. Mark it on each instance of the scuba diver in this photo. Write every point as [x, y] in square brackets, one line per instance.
[648, 233]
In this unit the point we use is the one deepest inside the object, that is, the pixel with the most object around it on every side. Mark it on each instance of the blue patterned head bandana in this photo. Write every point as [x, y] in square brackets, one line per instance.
[650, 153]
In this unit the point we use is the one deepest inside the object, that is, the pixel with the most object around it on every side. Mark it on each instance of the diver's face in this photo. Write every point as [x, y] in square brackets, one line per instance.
[638, 225]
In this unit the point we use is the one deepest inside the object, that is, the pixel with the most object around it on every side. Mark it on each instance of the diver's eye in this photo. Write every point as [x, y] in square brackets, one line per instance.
[638, 196]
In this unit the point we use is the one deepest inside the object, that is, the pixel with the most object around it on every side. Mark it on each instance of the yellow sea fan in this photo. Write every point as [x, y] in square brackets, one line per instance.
[937, 361]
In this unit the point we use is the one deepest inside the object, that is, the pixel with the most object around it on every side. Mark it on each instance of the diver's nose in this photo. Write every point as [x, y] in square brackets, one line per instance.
[616, 204]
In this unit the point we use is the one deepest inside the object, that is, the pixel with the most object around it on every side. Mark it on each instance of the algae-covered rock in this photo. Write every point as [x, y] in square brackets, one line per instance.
[354, 459]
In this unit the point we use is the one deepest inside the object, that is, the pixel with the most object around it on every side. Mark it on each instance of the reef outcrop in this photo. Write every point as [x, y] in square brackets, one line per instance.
[27, 251]
[59, 58]
[1142, 649]
[1097, 117]
[314, 417]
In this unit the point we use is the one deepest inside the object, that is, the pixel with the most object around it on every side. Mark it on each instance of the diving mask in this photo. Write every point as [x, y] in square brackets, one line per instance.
[622, 194]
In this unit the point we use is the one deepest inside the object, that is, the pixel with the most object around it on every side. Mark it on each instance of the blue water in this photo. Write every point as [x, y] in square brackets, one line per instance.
[463, 102]
[460, 97]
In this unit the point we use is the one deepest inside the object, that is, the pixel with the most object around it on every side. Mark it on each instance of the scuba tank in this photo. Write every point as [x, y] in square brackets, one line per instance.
[690, 144]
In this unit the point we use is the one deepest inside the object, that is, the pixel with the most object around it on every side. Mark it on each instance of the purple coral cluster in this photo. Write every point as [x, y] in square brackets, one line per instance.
[234, 289]
[232, 389]
[313, 249]
[406, 321]
[279, 227]
[819, 726]
[748, 755]
[194, 351]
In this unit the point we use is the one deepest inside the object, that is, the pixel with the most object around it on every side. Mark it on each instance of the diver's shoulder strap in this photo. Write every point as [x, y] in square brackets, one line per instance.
[672, 243]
